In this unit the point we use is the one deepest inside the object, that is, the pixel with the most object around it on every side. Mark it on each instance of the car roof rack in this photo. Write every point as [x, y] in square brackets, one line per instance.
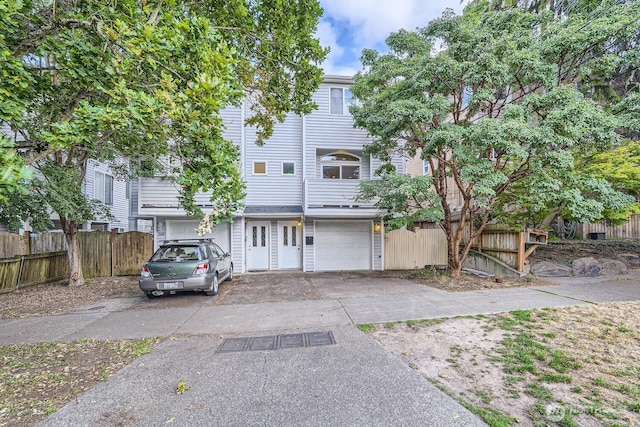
[187, 240]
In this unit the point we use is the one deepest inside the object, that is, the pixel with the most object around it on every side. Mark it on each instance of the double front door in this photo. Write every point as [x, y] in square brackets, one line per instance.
[289, 245]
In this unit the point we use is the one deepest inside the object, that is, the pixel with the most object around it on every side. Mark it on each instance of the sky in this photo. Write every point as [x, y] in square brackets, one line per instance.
[348, 26]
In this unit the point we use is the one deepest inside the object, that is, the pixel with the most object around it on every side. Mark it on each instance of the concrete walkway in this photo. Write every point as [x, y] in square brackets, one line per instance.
[353, 381]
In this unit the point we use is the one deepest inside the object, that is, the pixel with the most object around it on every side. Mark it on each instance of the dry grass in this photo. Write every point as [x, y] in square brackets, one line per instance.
[577, 366]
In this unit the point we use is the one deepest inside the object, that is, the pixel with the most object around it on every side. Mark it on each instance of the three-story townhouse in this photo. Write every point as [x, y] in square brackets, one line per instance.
[299, 209]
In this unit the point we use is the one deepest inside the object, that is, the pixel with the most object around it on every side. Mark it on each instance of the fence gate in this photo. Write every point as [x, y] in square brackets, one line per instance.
[408, 250]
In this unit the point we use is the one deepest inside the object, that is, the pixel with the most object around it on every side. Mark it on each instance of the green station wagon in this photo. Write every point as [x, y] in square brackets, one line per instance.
[185, 265]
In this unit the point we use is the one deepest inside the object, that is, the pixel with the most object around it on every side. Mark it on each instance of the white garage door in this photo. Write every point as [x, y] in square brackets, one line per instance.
[342, 246]
[180, 229]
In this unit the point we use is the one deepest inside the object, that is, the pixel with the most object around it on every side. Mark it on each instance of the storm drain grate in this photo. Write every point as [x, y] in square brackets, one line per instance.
[274, 342]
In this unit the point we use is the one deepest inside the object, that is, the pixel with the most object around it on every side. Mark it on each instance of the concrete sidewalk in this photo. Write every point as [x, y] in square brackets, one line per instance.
[110, 319]
[351, 382]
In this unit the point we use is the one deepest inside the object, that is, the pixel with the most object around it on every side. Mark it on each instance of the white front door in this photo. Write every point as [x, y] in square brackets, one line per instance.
[289, 245]
[257, 245]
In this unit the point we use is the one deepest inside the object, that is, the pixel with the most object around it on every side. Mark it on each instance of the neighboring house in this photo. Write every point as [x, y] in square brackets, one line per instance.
[100, 184]
[300, 211]
[416, 166]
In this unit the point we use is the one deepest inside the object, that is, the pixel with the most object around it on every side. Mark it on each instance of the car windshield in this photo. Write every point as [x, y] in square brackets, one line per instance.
[178, 254]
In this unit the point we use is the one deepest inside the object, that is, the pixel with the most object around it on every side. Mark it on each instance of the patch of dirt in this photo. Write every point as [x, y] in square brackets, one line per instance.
[56, 298]
[36, 379]
[565, 251]
[584, 368]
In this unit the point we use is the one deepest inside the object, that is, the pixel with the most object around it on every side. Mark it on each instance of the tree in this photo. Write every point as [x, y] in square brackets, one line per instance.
[490, 100]
[135, 83]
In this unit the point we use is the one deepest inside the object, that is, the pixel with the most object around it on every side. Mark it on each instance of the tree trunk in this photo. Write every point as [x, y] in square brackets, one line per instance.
[70, 229]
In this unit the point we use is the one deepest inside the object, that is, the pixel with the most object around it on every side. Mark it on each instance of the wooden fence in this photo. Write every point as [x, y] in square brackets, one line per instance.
[102, 254]
[509, 246]
[628, 230]
[407, 250]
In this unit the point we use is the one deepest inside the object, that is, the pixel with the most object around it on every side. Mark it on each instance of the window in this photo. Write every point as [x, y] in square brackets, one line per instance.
[288, 168]
[340, 165]
[259, 168]
[426, 168]
[103, 188]
[340, 101]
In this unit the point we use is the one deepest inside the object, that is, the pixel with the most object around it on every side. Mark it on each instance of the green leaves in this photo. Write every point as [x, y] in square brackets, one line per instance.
[500, 109]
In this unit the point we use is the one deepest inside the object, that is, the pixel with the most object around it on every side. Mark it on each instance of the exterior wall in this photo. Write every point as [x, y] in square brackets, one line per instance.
[284, 146]
[237, 244]
[120, 207]
[302, 141]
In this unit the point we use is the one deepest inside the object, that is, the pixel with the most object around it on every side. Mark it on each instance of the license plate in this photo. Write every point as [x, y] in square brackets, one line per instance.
[171, 285]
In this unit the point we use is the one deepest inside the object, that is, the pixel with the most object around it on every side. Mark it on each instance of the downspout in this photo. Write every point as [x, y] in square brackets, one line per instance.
[304, 191]
[243, 159]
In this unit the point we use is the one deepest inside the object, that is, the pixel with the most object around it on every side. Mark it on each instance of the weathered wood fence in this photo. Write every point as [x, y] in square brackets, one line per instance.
[628, 230]
[408, 250]
[102, 254]
[509, 246]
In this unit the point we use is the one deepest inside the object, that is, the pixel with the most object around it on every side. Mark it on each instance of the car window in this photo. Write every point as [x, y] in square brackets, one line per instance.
[177, 253]
[215, 250]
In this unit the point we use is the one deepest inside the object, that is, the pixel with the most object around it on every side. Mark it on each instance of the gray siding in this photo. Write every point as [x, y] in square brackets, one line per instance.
[120, 207]
[237, 247]
[285, 145]
[378, 255]
[309, 250]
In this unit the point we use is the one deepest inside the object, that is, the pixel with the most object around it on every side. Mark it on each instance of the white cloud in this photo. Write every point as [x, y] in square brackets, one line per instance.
[368, 23]
[373, 20]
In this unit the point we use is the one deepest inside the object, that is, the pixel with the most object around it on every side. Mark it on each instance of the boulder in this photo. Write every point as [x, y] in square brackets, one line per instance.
[586, 267]
[550, 269]
[612, 267]
[631, 260]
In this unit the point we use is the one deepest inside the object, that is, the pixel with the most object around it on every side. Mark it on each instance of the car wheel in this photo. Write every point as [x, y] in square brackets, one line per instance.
[150, 295]
[214, 287]
[230, 276]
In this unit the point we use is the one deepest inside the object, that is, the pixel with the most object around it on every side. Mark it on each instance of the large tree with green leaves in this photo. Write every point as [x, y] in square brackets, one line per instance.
[136, 82]
[494, 101]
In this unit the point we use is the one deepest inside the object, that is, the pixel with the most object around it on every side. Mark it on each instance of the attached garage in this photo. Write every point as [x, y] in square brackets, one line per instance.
[186, 229]
[342, 245]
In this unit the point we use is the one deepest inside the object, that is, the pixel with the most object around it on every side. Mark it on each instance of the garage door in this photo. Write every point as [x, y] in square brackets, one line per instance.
[342, 246]
[179, 229]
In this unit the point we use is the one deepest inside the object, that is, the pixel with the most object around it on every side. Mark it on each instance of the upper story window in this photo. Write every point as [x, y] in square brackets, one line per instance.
[340, 101]
[288, 168]
[426, 167]
[340, 165]
[259, 168]
[103, 188]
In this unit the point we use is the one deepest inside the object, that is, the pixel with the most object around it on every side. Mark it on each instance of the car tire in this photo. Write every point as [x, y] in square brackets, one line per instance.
[214, 287]
[150, 295]
[230, 276]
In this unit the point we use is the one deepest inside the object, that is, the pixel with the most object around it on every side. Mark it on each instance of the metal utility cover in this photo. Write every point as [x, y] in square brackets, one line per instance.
[275, 342]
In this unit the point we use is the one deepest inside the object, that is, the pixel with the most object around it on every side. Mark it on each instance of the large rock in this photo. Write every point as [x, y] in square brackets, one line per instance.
[586, 267]
[550, 269]
[631, 260]
[612, 267]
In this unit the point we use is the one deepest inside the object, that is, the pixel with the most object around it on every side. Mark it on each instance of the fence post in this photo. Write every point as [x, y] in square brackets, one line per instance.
[26, 246]
[112, 237]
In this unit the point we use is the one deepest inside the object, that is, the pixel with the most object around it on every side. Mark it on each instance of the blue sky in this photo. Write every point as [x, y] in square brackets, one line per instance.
[348, 26]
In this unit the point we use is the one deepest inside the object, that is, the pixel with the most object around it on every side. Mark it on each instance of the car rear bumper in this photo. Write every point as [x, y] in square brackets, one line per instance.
[200, 283]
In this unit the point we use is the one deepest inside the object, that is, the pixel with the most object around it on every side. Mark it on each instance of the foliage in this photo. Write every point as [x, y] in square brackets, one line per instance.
[491, 100]
[139, 85]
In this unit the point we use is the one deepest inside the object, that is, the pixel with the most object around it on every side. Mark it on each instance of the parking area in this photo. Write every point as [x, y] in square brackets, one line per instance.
[288, 286]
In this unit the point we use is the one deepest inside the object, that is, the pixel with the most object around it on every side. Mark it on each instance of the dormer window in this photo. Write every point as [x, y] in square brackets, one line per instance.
[340, 165]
